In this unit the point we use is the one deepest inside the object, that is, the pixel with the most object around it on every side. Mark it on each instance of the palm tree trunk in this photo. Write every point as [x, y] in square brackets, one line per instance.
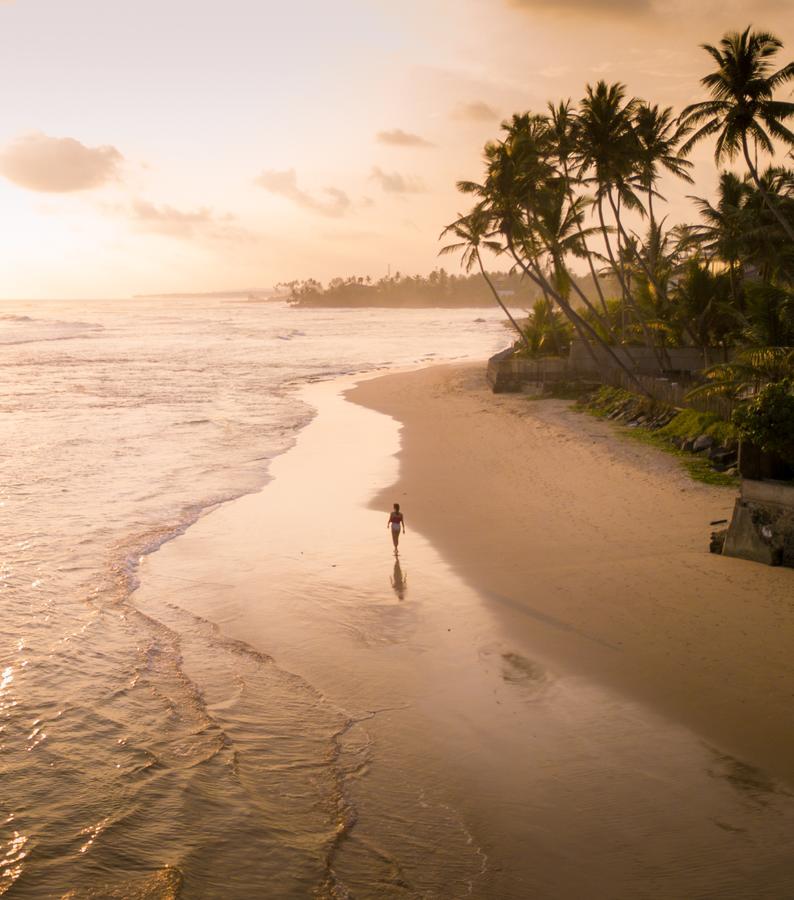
[649, 275]
[762, 190]
[580, 325]
[607, 325]
[652, 252]
[732, 282]
[499, 301]
[590, 263]
[615, 268]
[660, 355]
[552, 331]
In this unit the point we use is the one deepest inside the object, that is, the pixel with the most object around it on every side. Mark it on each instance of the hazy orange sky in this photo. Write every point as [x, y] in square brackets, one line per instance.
[197, 146]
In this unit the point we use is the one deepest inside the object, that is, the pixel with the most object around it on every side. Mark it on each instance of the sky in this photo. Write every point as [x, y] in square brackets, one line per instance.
[194, 145]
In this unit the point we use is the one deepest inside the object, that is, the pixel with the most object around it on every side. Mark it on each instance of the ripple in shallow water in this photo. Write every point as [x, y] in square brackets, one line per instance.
[123, 422]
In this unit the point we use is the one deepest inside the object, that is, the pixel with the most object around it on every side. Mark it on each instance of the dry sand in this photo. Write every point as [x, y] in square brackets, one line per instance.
[594, 549]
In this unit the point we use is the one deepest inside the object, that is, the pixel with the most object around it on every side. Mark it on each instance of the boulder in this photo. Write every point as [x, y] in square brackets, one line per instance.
[722, 457]
[704, 442]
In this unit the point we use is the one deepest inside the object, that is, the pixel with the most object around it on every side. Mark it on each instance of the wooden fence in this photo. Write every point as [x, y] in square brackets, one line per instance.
[673, 393]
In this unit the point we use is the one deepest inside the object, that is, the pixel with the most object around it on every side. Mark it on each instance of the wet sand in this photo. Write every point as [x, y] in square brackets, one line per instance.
[486, 747]
[595, 548]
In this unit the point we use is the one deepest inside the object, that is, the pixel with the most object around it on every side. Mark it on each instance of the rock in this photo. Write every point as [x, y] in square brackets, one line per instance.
[687, 445]
[718, 540]
[722, 457]
[704, 442]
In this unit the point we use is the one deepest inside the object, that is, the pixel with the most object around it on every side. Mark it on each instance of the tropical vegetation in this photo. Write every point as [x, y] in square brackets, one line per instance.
[438, 289]
[578, 188]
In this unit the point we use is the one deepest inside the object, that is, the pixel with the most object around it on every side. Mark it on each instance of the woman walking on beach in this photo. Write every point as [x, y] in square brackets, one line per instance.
[396, 523]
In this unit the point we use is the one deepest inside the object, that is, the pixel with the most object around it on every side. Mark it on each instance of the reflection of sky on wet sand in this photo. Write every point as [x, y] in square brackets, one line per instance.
[522, 779]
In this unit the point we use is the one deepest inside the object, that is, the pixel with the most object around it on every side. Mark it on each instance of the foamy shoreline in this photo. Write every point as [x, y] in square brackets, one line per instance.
[409, 733]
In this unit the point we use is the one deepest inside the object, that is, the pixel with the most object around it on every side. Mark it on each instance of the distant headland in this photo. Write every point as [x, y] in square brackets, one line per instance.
[438, 289]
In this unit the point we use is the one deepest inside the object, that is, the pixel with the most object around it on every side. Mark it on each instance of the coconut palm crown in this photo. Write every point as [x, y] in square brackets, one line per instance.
[742, 105]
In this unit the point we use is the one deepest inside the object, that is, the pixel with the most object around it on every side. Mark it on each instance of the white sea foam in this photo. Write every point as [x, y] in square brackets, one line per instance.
[121, 424]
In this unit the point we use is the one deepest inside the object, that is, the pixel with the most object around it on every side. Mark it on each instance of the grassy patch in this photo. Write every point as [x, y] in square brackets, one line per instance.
[678, 426]
[689, 423]
[698, 467]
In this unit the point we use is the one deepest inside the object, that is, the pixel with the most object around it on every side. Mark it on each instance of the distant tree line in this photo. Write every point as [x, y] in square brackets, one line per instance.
[438, 289]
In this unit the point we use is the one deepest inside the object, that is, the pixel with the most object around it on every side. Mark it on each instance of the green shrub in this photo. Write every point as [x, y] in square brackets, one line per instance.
[768, 419]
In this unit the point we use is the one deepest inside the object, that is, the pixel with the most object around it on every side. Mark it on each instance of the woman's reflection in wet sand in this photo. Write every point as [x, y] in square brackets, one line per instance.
[399, 581]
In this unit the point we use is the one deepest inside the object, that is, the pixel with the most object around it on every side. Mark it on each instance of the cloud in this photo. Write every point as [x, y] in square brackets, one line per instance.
[476, 111]
[597, 7]
[636, 12]
[58, 165]
[399, 138]
[188, 225]
[394, 183]
[285, 184]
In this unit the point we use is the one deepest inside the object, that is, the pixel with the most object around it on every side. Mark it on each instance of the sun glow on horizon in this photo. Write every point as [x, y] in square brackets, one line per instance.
[147, 148]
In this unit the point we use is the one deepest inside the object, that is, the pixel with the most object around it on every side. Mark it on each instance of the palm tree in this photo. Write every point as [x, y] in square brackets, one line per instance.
[562, 129]
[518, 179]
[547, 331]
[742, 104]
[703, 309]
[723, 228]
[764, 244]
[607, 149]
[473, 232]
[747, 372]
[770, 316]
[658, 137]
[535, 206]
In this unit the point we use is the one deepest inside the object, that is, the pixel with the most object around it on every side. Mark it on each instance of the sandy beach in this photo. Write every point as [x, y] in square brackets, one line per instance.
[595, 548]
[536, 699]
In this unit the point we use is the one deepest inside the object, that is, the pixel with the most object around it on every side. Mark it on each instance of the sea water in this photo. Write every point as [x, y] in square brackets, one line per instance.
[122, 423]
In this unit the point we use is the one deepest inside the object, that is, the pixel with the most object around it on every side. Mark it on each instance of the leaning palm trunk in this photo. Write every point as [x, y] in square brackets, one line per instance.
[638, 256]
[608, 244]
[498, 299]
[607, 325]
[590, 263]
[580, 325]
[652, 220]
[763, 191]
[658, 354]
[618, 270]
[555, 338]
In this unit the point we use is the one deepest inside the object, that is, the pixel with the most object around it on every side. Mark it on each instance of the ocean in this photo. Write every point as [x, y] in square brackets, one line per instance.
[124, 422]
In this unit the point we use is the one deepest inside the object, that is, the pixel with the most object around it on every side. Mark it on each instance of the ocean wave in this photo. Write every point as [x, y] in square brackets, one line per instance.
[145, 718]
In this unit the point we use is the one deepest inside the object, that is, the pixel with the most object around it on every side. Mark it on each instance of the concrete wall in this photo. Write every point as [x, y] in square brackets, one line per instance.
[507, 373]
[762, 526]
